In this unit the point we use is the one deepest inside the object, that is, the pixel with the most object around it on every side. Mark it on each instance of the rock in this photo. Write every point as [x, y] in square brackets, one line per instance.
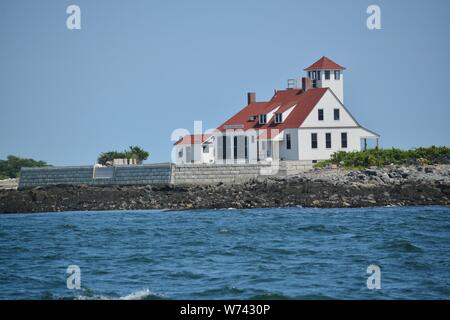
[371, 172]
[429, 170]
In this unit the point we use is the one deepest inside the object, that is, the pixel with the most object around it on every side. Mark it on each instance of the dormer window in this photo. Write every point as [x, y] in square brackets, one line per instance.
[252, 118]
[262, 118]
[278, 118]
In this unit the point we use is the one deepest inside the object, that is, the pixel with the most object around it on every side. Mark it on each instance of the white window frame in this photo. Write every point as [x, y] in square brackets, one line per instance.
[262, 117]
[278, 118]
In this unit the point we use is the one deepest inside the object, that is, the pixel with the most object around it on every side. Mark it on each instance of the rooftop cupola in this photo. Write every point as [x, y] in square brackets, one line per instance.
[325, 73]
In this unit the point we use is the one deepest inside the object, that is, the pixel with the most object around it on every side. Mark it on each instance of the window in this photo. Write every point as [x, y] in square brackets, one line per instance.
[288, 141]
[320, 114]
[344, 139]
[278, 118]
[224, 147]
[313, 75]
[262, 119]
[327, 74]
[328, 140]
[319, 74]
[252, 118]
[337, 75]
[246, 147]
[235, 146]
[336, 114]
[309, 74]
[180, 153]
[314, 140]
[205, 149]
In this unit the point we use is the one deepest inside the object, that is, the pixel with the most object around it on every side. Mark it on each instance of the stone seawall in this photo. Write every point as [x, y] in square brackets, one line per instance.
[88, 175]
[217, 173]
[326, 188]
[157, 174]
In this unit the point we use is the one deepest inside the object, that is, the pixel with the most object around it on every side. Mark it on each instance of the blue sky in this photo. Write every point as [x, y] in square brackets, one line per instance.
[139, 69]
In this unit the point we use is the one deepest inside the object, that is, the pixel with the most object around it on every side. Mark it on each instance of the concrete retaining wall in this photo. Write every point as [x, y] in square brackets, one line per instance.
[84, 175]
[157, 174]
[288, 168]
[215, 173]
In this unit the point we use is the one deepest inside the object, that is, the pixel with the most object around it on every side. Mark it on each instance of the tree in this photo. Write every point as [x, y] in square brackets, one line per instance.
[137, 153]
[133, 152]
[10, 168]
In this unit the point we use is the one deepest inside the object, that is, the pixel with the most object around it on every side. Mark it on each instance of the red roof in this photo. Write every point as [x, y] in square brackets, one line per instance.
[304, 103]
[193, 139]
[324, 63]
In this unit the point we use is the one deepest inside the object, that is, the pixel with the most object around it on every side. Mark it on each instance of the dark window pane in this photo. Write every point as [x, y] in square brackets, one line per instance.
[224, 147]
[336, 114]
[328, 140]
[288, 141]
[344, 139]
[246, 147]
[320, 114]
[337, 75]
[319, 74]
[327, 74]
[314, 140]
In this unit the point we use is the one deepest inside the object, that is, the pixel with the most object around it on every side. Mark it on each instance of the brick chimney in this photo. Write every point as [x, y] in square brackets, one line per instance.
[251, 97]
[306, 84]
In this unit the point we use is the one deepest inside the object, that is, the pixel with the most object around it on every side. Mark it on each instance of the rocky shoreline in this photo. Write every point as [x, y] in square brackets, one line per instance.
[323, 188]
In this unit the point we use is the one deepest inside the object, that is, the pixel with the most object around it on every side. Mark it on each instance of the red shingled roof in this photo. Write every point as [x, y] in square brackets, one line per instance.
[193, 139]
[324, 63]
[304, 102]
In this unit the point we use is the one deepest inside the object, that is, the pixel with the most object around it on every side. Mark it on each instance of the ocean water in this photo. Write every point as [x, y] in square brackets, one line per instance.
[228, 254]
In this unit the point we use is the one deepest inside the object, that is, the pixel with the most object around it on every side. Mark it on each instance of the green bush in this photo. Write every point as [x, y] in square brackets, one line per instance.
[383, 157]
[133, 152]
[10, 168]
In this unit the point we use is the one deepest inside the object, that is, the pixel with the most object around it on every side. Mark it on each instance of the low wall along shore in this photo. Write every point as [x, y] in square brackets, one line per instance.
[156, 174]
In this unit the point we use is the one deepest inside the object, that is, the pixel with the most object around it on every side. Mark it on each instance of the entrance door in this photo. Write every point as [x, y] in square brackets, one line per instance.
[188, 154]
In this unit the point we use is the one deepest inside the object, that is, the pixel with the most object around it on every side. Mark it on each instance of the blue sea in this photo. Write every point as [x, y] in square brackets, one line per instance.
[228, 254]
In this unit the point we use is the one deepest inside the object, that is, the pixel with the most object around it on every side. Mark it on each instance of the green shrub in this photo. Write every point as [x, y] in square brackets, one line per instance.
[10, 168]
[383, 157]
[133, 152]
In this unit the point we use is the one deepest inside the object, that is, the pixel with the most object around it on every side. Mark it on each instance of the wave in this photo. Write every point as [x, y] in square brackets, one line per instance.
[402, 245]
[270, 296]
[144, 294]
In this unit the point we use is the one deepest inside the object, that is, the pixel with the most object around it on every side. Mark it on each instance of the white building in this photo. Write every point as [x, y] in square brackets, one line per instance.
[307, 121]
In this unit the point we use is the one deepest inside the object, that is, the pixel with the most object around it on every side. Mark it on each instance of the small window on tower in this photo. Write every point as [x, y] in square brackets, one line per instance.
[327, 74]
[319, 73]
[337, 75]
